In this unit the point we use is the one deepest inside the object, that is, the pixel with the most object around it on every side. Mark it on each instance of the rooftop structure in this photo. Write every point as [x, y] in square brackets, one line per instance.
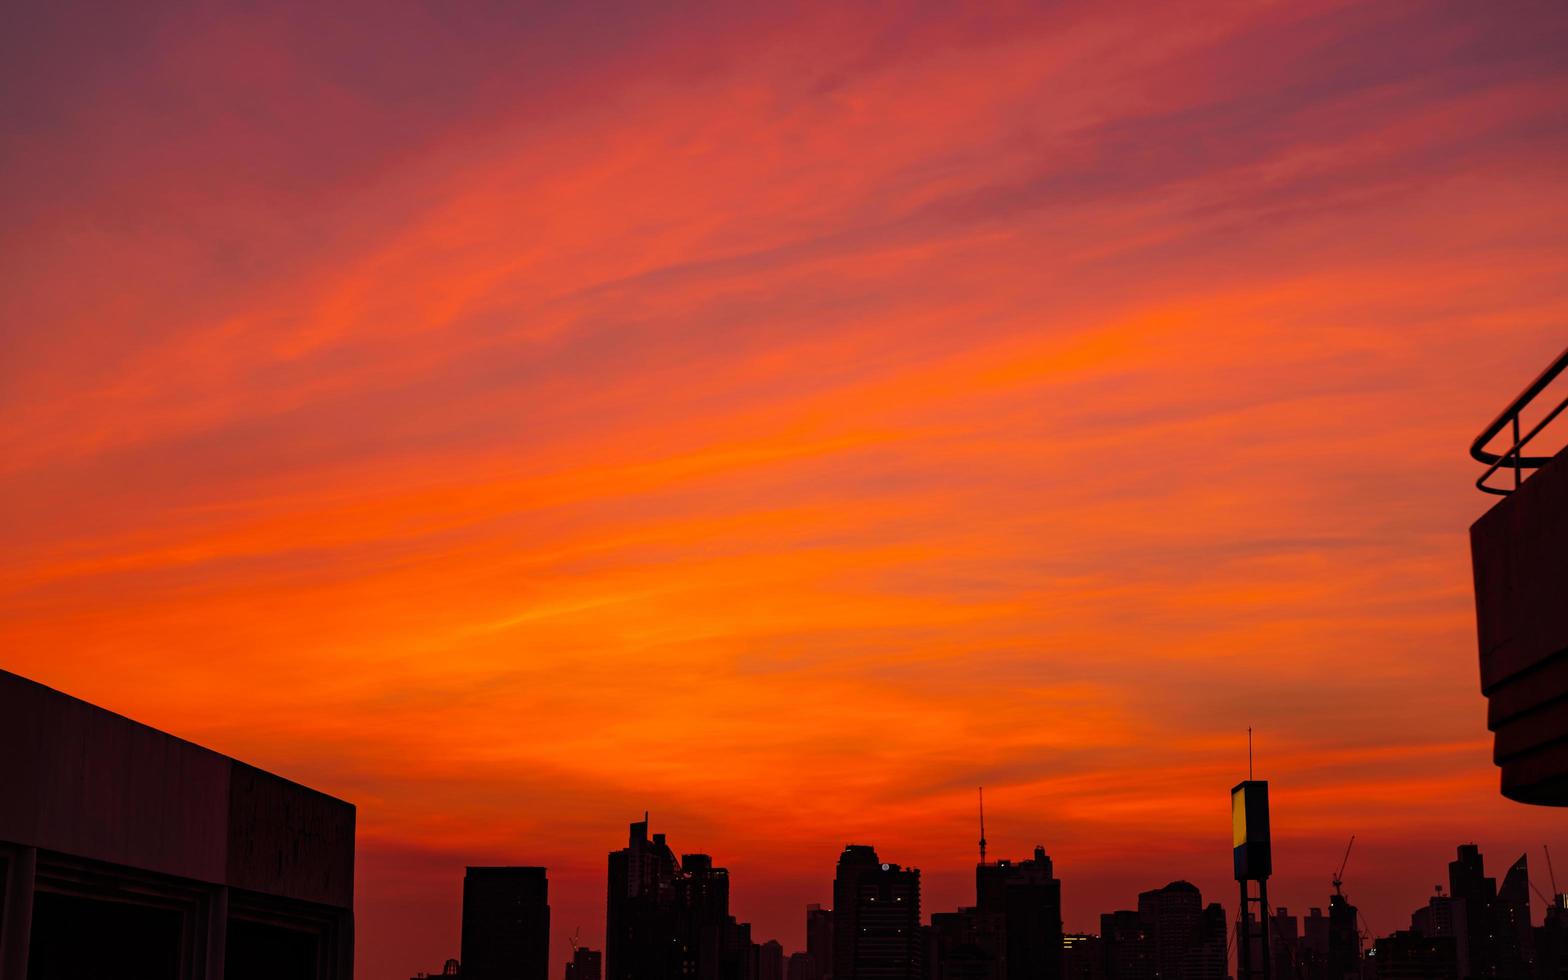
[127, 851]
[1519, 551]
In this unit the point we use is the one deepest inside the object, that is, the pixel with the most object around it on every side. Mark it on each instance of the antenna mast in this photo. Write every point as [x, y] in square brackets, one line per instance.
[982, 824]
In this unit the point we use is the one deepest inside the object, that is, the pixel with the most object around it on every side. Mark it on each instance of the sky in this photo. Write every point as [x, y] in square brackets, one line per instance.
[514, 417]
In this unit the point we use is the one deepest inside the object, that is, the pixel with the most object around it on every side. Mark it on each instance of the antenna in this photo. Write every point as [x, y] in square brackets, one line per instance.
[982, 824]
[1249, 752]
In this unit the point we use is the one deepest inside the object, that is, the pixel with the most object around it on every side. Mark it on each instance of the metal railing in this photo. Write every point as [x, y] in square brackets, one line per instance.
[1513, 458]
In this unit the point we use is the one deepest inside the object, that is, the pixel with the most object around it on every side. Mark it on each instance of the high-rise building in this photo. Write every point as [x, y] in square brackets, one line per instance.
[1551, 941]
[801, 966]
[1511, 924]
[1467, 882]
[1027, 897]
[669, 920]
[640, 910]
[1344, 939]
[1172, 936]
[770, 961]
[1083, 957]
[1481, 929]
[1205, 958]
[506, 924]
[1314, 944]
[876, 918]
[702, 900]
[965, 945]
[819, 939]
[585, 964]
[1409, 955]
[1129, 946]
[1284, 934]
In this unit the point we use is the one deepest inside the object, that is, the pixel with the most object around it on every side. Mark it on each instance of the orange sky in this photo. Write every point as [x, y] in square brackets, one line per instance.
[510, 420]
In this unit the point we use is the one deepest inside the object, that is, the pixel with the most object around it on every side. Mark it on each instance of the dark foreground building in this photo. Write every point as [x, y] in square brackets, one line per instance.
[506, 924]
[127, 852]
[1519, 550]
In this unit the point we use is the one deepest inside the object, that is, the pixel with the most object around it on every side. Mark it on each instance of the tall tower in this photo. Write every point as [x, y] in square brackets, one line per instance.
[640, 909]
[506, 924]
[876, 918]
[819, 939]
[1253, 860]
[1026, 898]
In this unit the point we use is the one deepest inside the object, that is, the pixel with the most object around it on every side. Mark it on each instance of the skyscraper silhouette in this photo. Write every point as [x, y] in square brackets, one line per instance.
[1172, 936]
[506, 924]
[1468, 883]
[1027, 898]
[640, 909]
[1344, 939]
[876, 918]
[702, 899]
[585, 964]
[801, 966]
[819, 939]
[669, 919]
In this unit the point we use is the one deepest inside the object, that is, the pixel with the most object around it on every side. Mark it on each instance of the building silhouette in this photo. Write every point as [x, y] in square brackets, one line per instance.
[1026, 898]
[1551, 941]
[703, 922]
[668, 918]
[965, 945]
[585, 964]
[876, 918]
[1519, 554]
[770, 961]
[1083, 957]
[127, 852]
[640, 909]
[1477, 930]
[1171, 936]
[451, 968]
[819, 939]
[1344, 939]
[1128, 945]
[1410, 955]
[506, 924]
[1012, 932]
[801, 966]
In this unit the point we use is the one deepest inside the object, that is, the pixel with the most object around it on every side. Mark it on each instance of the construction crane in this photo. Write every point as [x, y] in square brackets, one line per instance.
[1559, 900]
[1339, 876]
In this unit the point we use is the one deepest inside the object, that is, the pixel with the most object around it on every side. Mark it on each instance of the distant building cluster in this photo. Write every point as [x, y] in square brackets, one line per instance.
[668, 918]
[178, 863]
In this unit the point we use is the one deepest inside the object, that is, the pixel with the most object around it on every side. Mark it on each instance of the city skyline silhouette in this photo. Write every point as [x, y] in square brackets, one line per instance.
[502, 420]
[669, 914]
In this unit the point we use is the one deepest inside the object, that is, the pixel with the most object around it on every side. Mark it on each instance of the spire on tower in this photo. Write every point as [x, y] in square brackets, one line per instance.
[982, 824]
